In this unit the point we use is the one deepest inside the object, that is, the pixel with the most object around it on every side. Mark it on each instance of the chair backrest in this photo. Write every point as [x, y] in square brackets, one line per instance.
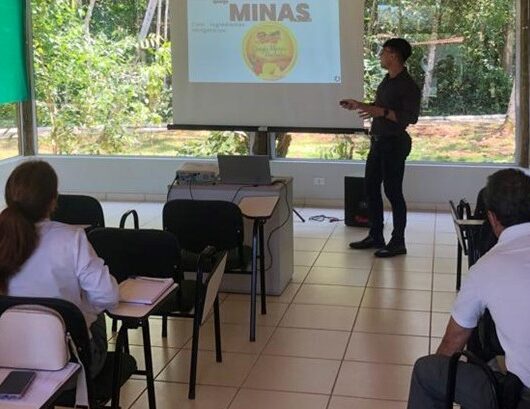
[142, 252]
[201, 223]
[79, 209]
[212, 284]
[73, 319]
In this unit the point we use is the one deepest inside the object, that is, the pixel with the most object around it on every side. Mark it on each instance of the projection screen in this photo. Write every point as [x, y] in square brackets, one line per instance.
[268, 63]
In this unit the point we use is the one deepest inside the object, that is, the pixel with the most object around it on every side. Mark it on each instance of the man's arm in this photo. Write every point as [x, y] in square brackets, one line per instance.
[455, 338]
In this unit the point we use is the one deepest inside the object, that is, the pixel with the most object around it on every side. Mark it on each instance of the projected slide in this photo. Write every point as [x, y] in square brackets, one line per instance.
[285, 41]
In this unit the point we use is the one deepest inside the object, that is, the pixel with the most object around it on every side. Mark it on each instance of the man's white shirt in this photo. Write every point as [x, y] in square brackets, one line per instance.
[500, 281]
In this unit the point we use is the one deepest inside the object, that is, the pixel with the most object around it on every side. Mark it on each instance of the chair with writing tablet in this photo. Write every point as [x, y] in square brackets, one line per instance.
[156, 253]
[217, 223]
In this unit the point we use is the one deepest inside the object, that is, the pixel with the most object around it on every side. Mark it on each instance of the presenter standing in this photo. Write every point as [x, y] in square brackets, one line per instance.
[397, 105]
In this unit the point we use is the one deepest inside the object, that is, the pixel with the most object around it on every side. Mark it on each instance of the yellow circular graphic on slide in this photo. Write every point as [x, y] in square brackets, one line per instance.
[270, 50]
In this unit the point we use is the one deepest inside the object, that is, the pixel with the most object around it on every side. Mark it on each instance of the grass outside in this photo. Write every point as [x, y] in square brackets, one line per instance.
[471, 140]
[8, 148]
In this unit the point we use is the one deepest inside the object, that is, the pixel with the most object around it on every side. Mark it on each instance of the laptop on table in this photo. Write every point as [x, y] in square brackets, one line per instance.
[244, 170]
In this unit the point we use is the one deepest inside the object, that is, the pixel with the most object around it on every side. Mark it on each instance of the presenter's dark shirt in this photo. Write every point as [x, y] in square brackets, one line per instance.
[401, 95]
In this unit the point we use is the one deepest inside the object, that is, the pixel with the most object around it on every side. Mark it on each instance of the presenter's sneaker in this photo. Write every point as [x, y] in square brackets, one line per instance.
[368, 243]
[392, 249]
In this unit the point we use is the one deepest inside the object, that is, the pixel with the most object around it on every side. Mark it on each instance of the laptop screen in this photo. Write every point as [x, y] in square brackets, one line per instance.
[244, 170]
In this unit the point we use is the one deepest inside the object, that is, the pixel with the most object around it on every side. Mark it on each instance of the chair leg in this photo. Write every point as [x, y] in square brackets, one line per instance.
[194, 357]
[253, 282]
[262, 271]
[126, 341]
[217, 326]
[148, 365]
[458, 266]
[116, 375]
[164, 326]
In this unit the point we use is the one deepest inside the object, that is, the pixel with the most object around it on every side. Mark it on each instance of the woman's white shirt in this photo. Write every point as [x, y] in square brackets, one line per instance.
[64, 265]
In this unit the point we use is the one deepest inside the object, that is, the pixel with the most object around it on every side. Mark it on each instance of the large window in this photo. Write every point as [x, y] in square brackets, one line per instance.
[464, 61]
[9, 146]
[103, 68]
[103, 82]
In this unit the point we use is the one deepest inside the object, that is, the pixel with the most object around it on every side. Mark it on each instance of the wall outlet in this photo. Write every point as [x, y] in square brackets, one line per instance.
[319, 181]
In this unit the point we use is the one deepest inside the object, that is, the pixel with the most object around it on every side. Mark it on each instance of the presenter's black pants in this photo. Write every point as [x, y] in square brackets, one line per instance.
[386, 165]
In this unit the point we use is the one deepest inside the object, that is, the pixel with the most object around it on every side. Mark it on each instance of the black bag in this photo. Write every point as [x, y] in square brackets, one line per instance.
[485, 344]
[510, 388]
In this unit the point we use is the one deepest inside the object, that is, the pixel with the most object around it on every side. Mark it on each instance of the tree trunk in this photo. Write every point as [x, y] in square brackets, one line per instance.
[373, 19]
[508, 127]
[166, 21]
[148, 18]
[508, 51]
[283, 142]
[88, 17]
[158, 23]
[400, 18]
[431, 57]
[259, 143]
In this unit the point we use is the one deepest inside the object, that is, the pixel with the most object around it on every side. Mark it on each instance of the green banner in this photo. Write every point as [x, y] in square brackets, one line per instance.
[13, 79]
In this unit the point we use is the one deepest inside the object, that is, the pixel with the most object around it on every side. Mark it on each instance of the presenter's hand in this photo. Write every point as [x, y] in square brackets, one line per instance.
[351, 104]
[370, 111]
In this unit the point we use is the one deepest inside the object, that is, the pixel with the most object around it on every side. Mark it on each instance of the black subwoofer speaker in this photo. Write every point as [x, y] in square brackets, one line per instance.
[355, 204]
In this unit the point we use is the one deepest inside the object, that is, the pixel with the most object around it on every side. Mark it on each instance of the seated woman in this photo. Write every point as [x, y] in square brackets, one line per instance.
[41, 258]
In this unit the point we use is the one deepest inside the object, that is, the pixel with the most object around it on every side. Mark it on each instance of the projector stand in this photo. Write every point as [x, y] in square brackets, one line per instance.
[299, 215]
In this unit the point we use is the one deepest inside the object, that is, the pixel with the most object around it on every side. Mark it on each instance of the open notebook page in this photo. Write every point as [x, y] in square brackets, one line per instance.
[143, 290]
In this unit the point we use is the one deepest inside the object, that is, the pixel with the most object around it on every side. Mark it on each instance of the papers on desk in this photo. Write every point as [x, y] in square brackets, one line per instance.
[143, 290]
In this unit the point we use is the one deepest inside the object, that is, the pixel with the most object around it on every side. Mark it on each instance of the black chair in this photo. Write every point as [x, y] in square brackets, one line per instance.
[201, 223]
[467, 231]
[156, 253]
[129, 253]
[79, 209]
[100, 388]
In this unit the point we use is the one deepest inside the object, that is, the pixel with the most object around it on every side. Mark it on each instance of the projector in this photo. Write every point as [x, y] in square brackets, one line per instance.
[193, 172]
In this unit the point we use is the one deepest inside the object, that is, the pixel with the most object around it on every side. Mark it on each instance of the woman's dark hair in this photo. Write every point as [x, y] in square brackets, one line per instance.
[507, 194]
[30, 191]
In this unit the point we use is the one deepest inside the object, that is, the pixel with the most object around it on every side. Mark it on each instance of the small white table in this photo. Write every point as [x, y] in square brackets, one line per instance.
[44, 389]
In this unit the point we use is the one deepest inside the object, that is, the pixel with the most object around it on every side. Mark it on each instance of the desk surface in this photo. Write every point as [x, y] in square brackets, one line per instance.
[45, 385]
[256, 207]
[133, 310]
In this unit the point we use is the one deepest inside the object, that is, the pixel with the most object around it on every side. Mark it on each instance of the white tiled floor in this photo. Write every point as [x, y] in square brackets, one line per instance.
[344, 335]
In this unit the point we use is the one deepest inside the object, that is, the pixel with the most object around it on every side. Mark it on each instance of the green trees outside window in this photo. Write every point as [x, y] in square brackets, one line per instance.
[8, 131]
[101, 89]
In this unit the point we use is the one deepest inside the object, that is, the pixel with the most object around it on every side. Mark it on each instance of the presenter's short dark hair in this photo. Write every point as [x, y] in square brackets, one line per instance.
[507, 195]
[399, 46]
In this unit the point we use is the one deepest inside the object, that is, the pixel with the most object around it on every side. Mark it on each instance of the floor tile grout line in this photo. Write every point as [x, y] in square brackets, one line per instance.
[350, 337]
[291, 302]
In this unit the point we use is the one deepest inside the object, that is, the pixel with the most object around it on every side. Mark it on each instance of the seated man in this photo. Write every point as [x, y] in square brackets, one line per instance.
[499, 281]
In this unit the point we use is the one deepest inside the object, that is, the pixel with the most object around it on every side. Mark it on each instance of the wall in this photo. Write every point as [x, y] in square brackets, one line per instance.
[427, 186]
[6, 166]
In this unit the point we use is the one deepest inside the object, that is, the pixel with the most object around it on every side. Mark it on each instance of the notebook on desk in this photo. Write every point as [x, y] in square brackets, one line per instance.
[143, 290]
[244, 170]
